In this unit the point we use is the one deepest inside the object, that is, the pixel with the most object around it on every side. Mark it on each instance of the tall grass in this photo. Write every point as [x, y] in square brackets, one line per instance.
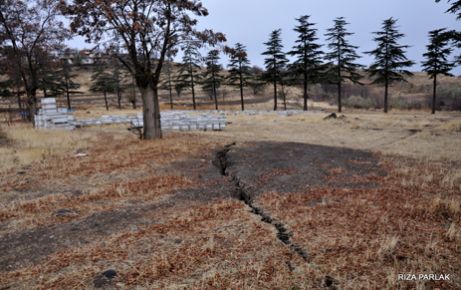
[24, 145]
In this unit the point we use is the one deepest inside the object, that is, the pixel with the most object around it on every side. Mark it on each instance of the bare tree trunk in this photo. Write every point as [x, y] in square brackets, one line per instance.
[192, 83]
[193, 92]
[434, 96]
[241, 89]
[215, 94]
[340, 105]
[119, 98]
[18, 96]
[69, 107]
[105, 101]
[386, 93]
[275, 95]
[170, 89]
[134, 95]
[305, 108]
[151, 114]
[284, 97]
[241, 94]
[32, 106]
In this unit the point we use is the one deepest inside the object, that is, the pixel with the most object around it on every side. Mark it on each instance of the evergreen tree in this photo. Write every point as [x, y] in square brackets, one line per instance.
[308, 63]
[212, 79]
[239, 69]
[455, 7]
[67, 85]
[275, 61]
[189, 70]
[453, 35]
[117, 79]
[256, 81]
[390, 59]
[48, 82]
[168, 82]
[342, 57]
[436, 62]
[103, 82]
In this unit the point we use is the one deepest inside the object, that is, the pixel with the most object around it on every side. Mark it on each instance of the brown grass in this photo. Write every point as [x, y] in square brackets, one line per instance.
[362, 238]
[27, 145]
[417, 135]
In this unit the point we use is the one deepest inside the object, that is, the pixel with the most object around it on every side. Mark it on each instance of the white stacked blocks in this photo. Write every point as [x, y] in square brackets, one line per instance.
[50, 117]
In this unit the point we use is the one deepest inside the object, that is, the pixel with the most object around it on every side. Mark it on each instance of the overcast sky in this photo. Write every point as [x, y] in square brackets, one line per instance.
[251, 21]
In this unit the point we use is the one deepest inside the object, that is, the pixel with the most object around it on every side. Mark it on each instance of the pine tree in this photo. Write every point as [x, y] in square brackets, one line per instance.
[239, 69]
[275, 61]
[103, 82]
[308, 63]
[48, 82]
[168, 79]
[455, 7]
[453, 35]
[188, 74]
[390, 59]
[256, 82]
[67, 84]
[342, 57]
[117, 79]
[436, 62]
[212, 79]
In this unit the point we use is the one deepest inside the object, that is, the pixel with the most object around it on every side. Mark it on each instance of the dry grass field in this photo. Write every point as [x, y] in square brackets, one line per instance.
[304, 203]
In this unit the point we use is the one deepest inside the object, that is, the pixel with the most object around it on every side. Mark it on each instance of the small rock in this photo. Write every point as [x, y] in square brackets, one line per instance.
[110, 274]
[331, 116]
[330, 282]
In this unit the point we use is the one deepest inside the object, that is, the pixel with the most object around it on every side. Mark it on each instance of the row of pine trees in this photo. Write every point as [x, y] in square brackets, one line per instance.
[311, 65]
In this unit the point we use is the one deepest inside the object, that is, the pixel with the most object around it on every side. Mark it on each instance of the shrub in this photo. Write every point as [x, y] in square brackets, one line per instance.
[359, 102]
[407, 102]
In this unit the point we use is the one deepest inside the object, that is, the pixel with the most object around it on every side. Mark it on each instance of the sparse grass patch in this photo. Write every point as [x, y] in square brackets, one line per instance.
[452, 125]
[446, 207]
[387, 247]
[454, 232]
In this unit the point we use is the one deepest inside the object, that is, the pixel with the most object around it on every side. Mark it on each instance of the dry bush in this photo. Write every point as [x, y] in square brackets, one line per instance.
[359, 102]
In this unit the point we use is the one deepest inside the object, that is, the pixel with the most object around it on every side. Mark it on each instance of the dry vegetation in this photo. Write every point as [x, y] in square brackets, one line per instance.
[74, 204]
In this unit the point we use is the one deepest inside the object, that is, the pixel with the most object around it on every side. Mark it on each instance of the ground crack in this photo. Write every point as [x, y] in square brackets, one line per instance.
[222, 162]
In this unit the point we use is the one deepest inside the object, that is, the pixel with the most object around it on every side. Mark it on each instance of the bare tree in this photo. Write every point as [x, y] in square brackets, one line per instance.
[32, 30]
[148, 30]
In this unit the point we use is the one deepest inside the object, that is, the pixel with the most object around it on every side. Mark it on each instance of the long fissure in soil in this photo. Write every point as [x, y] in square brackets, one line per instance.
[243, 194]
